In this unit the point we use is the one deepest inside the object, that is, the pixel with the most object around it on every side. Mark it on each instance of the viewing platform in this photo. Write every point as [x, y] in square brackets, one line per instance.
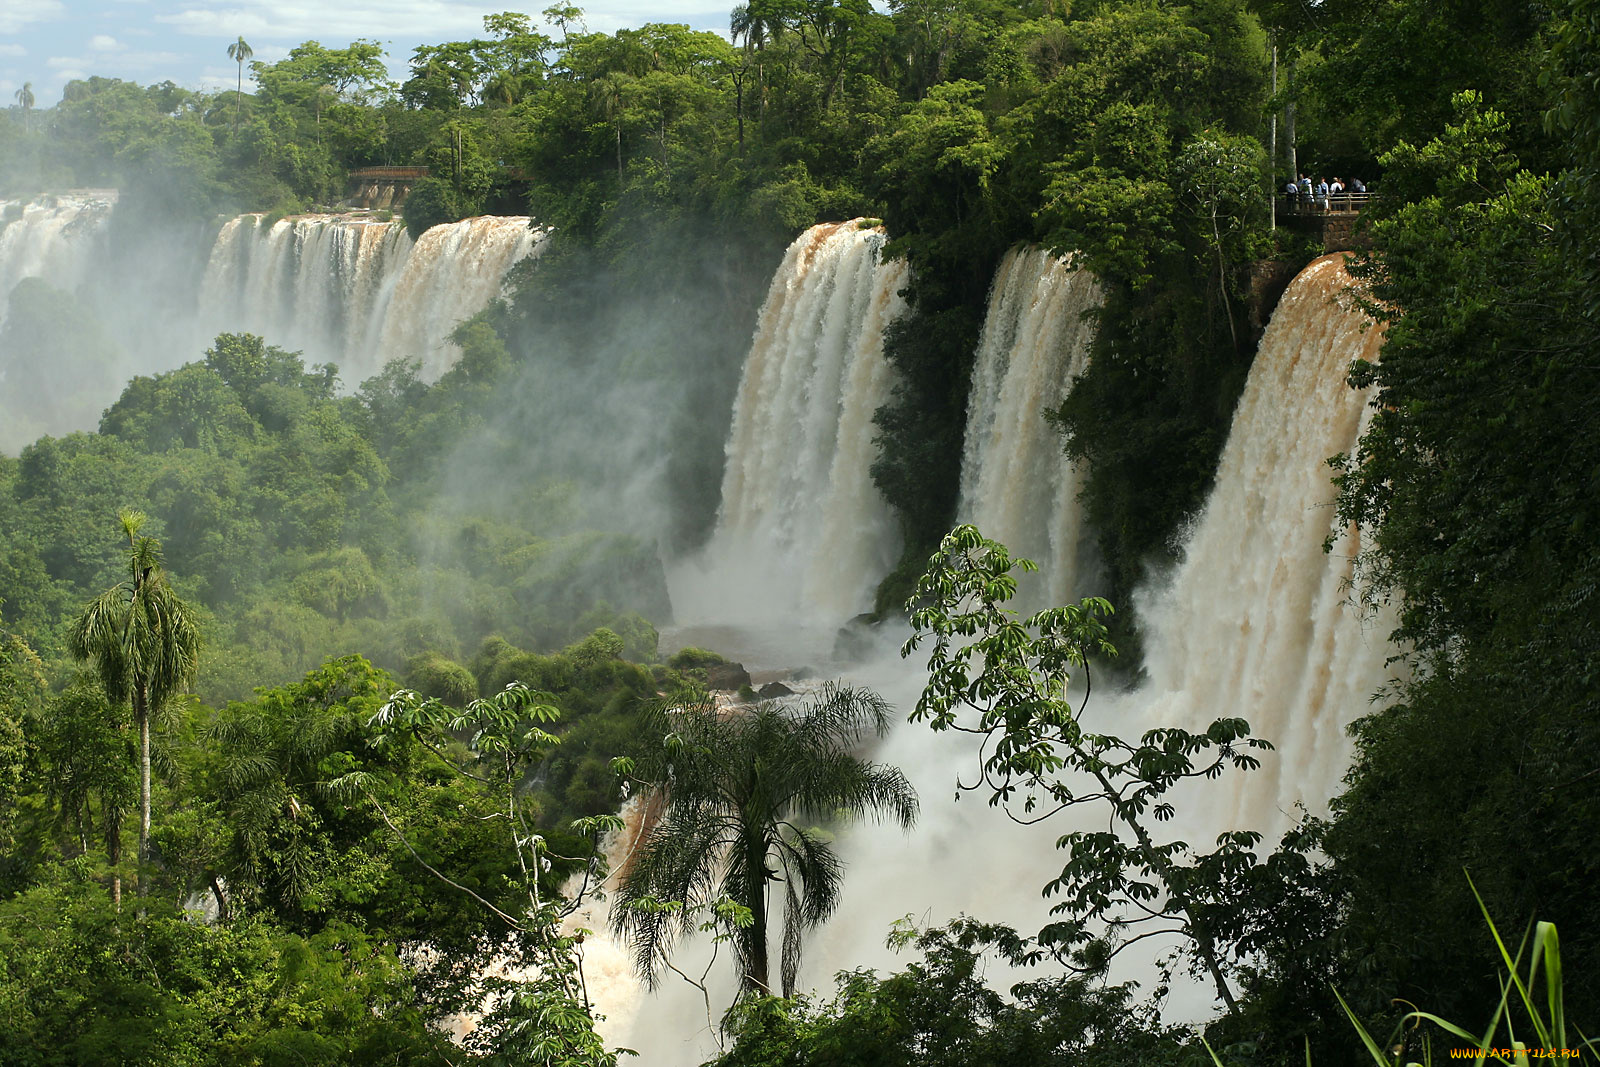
[1333, 218]
[383, 187]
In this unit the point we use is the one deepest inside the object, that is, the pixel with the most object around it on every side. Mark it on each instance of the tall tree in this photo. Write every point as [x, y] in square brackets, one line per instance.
[240, 52]
[737, 788]
[608, 95]
[145, 645]
[24, 97]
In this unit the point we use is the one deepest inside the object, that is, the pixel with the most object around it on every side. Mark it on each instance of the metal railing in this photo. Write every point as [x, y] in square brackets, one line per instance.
[1345, 203]
[391, 173]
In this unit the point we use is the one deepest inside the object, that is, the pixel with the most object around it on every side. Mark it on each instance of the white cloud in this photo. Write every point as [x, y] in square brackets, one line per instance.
[15, 14]
[12, 50]
[103, 42]
[127, 64]
[300, 21]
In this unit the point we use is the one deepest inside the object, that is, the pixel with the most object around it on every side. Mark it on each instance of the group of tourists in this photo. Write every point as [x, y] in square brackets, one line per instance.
[1321, 193]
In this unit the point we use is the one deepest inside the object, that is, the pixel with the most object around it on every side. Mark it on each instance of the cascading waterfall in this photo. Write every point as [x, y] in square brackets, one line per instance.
[1255, 622]
[1016, 484]
[802, 532]
[452, 273]
[1258, 622]
[357, 292]
[50, 250]
[56, 238]
[343, 289]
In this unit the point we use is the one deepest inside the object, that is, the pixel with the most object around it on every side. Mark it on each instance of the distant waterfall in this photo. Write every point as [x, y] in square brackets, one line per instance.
[58, 367]
[357, 292]
[56, 238]
[1258, 622]
[1016, 485]
[802, 532]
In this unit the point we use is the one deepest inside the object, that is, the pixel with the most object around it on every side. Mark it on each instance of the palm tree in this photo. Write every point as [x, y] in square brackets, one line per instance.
[24, 97]
[740, 789]
[607, 94]
[240, 52]
[144, 644]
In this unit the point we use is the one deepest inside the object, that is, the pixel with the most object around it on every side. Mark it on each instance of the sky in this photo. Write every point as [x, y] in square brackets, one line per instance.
[51, 42]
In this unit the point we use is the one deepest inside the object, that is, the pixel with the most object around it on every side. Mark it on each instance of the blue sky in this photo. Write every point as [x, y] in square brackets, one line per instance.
[50, 42]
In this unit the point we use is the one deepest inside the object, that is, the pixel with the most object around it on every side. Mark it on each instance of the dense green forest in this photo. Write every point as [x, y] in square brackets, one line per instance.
[367, 856]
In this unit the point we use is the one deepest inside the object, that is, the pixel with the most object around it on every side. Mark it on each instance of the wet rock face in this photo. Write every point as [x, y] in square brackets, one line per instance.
[730, 676]
[774, 690]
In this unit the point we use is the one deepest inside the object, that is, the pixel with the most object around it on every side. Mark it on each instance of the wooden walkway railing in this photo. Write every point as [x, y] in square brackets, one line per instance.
[1334, 204]
[389, 173]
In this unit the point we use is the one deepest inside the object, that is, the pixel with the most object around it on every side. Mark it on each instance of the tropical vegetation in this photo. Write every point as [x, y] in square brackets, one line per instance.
[736, 798]
[327, 870]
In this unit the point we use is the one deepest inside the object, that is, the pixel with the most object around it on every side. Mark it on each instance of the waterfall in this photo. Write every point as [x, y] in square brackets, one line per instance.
[343, 289]
[58, 364]
[802, 533]
[357, 292]
[1258, 622]
[1016, 485]
[55, 238]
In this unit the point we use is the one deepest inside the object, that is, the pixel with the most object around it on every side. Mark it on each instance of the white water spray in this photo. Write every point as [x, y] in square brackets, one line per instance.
[802, 533]
[1016, 485]
[1256, 622]
[357, 292]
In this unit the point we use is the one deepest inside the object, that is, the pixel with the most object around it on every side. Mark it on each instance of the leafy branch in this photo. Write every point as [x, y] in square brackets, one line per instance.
[1017, 676]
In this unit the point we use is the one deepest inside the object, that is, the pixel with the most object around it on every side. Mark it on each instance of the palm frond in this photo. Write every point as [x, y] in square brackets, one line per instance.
[807, 858]
[670, 866]
[793, 927]
[733, 782]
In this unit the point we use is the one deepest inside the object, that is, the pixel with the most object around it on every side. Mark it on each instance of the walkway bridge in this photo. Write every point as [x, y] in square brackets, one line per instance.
[383, 187]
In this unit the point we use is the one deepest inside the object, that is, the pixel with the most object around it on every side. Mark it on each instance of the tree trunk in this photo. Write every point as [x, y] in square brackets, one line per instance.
[1288, 127]
[141, 709]
[1272, 149]
[1222, 277]
[755, 977]
[114, 853]
[738, 108]
[222, 899]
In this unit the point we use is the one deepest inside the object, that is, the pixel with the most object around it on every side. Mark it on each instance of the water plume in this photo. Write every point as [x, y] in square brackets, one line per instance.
[356, 291]
[57, 238]
[1016, 485]
[802, 533]
[1258, 621]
